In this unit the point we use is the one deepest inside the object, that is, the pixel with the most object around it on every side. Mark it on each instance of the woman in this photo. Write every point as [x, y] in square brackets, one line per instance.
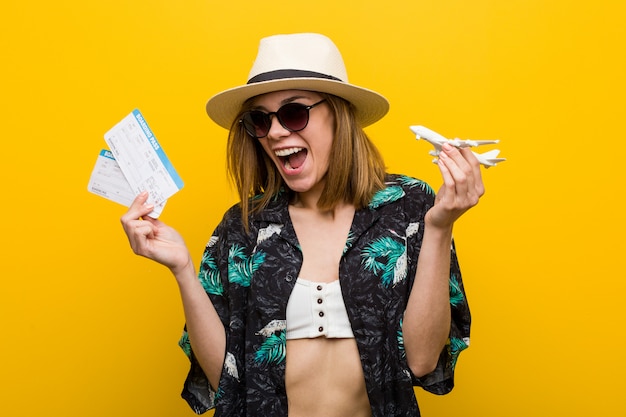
[331, 289]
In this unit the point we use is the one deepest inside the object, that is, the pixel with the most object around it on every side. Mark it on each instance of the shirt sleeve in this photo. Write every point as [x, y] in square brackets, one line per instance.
[197, 391]
[441, 380]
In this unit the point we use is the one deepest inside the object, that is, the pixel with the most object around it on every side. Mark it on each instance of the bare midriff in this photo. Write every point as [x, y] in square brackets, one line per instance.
[324, 377]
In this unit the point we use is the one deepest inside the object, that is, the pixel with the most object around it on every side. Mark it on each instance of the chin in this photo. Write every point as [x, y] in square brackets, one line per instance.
[299, 186]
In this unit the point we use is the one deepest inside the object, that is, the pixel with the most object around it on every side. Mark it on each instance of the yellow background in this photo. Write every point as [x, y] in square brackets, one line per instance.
[89, 329]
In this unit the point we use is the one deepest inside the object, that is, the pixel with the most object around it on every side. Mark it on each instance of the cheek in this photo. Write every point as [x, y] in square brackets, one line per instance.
[324, 139]
[323, 153]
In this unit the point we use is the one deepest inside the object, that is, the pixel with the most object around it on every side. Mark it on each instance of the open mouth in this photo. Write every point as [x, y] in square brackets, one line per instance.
[292, 158]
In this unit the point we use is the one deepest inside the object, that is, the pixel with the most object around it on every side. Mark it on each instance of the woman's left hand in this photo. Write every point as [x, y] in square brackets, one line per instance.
[462, 186]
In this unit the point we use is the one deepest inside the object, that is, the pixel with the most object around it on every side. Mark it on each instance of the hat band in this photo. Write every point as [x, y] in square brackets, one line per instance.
[289, 73]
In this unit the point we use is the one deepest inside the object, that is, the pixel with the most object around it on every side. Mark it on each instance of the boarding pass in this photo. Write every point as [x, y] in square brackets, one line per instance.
[108, 181]
[135, 163]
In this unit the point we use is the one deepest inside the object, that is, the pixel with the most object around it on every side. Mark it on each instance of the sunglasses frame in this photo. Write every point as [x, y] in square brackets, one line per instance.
[268, 118]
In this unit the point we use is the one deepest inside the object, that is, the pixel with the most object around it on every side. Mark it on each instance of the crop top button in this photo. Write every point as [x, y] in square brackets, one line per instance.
[320, 301]
[319, 288]
[321, 329]
[321, 314]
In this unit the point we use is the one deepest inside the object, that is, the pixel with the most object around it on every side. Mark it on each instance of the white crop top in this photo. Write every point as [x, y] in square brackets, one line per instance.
[316, 309]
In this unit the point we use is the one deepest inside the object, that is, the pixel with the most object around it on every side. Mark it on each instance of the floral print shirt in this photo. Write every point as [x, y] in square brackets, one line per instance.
[249, 278]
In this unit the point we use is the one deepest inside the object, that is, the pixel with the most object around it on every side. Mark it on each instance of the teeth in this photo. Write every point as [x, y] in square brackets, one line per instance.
[287, 152]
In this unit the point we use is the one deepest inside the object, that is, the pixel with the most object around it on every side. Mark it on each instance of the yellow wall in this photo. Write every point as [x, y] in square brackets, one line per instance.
[88, 329]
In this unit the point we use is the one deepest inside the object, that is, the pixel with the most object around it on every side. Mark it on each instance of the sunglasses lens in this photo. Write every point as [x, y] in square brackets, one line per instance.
[293, 116]
[256, 123]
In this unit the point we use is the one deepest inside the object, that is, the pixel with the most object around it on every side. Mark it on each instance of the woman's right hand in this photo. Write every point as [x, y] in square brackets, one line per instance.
[153, 239]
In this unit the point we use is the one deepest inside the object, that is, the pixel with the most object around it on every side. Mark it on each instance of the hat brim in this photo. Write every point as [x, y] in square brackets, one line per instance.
[370, 106]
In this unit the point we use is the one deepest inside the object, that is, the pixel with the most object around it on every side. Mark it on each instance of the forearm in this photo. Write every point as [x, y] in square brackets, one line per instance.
[155, 240]
[206, 331]
[426, 323]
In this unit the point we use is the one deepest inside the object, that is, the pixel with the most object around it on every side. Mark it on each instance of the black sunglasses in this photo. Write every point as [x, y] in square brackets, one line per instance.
[292, 116]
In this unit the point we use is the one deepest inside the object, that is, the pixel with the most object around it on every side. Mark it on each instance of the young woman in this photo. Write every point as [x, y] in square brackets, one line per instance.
[332, 288]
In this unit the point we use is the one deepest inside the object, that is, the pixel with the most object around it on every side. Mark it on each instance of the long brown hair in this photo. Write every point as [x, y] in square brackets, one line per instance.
[356, 167]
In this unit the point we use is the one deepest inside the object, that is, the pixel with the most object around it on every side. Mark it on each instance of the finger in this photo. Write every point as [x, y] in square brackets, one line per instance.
[470, 166]
[464, 158]
[138, 208]
[458, 168]
[445, 171]
[459, 156]
[465, 170]
[476, 180]
[139, 232]
[156, 223]
[139, 203]
[446, 196]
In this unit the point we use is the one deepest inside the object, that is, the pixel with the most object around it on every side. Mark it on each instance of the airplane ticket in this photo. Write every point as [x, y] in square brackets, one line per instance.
[141, 158]
[107, 180]
[136, 153]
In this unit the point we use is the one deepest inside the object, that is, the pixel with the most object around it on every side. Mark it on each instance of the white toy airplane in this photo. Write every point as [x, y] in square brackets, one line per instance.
[488, 159]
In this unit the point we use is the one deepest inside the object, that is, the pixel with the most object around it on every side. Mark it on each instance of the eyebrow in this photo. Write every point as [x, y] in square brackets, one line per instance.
[291, 99]
[282, 103]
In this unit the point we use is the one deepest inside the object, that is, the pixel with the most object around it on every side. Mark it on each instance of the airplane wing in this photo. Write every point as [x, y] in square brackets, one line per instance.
[481, 142]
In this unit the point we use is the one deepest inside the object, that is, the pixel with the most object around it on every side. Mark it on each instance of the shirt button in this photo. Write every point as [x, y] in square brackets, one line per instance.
[321, 314]
[321, 329]
[319, 288]
[320, 301]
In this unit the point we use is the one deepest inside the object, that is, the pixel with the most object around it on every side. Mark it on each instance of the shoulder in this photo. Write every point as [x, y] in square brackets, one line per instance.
[231, 228]
[275, 210]
[232, 217]
[402, 188]
[408, 183]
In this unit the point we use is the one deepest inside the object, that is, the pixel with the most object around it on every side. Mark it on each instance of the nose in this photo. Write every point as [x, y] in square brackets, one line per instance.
[277, 130]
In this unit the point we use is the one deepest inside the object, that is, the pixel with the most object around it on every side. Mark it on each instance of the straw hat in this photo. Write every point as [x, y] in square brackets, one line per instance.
[302, 61]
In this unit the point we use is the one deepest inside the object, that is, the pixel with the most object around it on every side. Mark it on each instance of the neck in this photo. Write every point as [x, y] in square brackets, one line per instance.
[306, 203]
[308, 199]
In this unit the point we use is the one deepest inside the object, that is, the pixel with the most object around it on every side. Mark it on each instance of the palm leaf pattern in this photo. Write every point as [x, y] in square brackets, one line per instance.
[455, 347]
[272, 327]
[412, 229]
[230, 365]
[273, 349]
[184, 343]
[400, 337]
[414, 182]
[241, 267]
[386, 195]
[456, 295]
[268, 232]
[349, 241]
[210, 276]
[212, 241]
[393, 253]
